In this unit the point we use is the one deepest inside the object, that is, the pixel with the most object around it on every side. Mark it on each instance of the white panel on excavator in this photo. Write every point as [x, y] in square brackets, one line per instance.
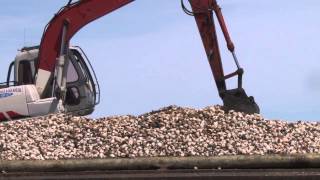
[24, 101]
[43, 107]
[31, 93]
[13, 99]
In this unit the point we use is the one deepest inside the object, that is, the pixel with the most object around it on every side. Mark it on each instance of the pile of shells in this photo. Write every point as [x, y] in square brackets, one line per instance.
[171, 131]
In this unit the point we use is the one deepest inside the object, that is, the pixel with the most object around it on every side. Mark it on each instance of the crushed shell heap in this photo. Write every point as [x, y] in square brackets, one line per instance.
[171, 131]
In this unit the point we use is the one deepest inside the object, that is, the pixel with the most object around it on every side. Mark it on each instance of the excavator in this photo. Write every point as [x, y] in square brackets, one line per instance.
[55, 77]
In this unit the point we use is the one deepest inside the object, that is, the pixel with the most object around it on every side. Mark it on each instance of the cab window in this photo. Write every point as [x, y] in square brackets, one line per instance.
[72, 74]
[26, 72]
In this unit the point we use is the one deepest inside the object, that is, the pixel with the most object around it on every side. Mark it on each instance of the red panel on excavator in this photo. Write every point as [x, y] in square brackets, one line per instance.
[2, 117]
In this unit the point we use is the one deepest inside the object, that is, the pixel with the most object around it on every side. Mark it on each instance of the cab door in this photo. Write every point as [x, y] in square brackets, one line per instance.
[82, 86]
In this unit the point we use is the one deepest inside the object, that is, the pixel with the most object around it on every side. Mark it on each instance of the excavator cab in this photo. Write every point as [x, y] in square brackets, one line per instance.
[83, 92]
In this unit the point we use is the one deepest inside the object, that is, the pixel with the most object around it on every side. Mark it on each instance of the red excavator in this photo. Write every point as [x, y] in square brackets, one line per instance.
[55, 77]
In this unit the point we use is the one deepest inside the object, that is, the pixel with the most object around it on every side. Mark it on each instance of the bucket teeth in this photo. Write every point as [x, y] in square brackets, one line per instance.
[238, 100]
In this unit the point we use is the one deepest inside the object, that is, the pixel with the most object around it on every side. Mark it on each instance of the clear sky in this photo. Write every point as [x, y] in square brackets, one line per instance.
[149, 54]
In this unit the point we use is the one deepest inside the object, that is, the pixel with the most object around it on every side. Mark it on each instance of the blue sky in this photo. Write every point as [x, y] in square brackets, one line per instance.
[149, 54]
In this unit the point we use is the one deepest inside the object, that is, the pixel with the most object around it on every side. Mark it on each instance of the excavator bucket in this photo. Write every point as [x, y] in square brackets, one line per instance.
[238, 100]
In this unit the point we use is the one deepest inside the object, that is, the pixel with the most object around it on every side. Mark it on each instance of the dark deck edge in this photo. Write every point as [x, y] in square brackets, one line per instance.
[153, 163]
[229, 174]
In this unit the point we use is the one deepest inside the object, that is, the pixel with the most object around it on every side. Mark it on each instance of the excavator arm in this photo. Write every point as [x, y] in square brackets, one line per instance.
[233, 99]
[71, 18]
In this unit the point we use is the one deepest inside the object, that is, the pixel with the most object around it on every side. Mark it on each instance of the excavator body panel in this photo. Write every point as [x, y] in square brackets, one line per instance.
[24, 101]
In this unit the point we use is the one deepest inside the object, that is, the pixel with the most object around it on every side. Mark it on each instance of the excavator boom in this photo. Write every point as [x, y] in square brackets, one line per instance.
[64, 25]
